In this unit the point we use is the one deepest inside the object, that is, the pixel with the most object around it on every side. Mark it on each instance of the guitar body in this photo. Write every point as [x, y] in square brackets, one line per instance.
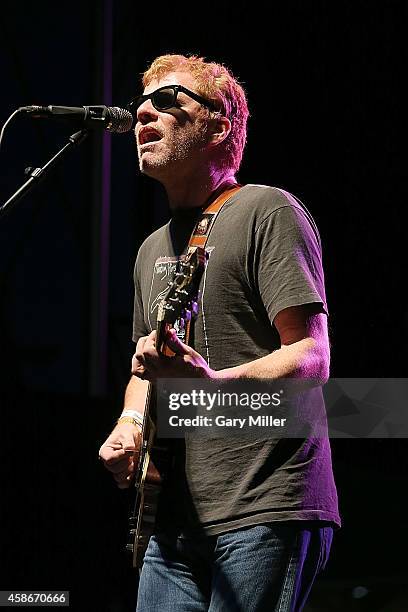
[148, 483]
[178, 309]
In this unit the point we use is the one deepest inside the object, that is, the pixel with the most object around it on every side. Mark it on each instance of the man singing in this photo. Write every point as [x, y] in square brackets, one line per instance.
[244, 525]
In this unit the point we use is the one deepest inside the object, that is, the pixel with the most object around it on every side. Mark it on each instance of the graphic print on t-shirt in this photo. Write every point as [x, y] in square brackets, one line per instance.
[163, 273]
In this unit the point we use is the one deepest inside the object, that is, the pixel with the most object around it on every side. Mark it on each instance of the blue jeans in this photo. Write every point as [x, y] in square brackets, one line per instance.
[265, 568]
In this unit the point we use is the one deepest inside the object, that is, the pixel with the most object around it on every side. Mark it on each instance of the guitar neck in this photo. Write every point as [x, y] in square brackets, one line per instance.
[176, 310]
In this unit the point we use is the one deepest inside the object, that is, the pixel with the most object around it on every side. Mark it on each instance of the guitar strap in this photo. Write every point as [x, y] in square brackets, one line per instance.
[199, 237]
[204, 224]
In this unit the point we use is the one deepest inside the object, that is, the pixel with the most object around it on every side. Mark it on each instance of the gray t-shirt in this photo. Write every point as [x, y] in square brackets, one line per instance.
[264, 256]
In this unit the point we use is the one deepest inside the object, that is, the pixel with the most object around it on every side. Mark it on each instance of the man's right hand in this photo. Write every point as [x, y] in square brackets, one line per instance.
[120, 453]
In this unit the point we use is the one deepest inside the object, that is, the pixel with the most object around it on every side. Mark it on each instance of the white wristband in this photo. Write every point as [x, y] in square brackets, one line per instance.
[133, 414]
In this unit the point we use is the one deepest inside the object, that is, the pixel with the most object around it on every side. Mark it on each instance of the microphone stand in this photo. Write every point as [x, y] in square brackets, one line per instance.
[38, 173]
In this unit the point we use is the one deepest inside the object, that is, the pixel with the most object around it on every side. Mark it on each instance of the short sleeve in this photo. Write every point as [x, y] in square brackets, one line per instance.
[288, 266]
[139, 325]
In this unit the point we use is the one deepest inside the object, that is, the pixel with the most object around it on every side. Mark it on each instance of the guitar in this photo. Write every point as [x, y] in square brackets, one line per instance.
[178, 309]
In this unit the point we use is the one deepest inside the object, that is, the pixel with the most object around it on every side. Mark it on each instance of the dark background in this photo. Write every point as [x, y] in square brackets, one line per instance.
[323, 83]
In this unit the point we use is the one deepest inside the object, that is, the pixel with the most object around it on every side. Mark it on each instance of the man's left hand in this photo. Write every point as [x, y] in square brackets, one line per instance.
[148, 364]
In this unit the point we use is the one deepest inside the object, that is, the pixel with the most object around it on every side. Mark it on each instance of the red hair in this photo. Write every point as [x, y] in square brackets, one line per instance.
[216, 83]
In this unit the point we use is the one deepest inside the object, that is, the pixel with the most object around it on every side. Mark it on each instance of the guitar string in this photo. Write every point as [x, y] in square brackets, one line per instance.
[206, 345]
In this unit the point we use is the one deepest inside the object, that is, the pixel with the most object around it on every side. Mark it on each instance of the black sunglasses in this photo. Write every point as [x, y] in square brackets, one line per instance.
[166, 97]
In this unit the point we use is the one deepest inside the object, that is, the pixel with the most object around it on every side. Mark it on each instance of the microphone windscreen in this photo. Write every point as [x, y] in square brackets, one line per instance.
[120, 120]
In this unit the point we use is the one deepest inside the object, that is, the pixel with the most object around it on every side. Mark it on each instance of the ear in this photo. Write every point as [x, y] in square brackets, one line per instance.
[219, 131]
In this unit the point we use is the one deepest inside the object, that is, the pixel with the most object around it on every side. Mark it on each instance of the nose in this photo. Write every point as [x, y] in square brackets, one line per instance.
[146, 112]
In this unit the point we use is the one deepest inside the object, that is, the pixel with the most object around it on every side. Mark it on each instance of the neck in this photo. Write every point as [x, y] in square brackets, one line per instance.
[195, 191]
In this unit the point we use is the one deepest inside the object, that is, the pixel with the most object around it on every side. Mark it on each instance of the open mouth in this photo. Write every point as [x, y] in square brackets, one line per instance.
[148, 135]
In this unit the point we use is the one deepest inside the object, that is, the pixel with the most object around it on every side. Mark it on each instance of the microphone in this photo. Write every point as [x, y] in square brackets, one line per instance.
[111, 118]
